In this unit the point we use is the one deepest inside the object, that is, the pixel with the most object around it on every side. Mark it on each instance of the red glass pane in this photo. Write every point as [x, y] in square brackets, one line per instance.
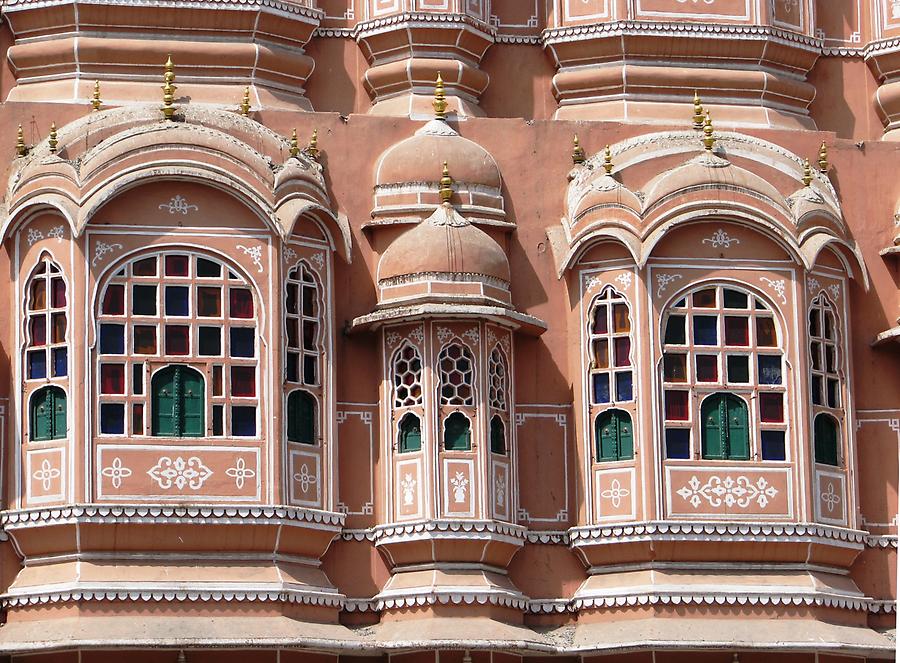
[217, 381]
[177, 340]
[137, 419]
[675, 367]
[765, 332]
[737, 330]
[144, 340]
[677, 405]
[114, 300]
[39, 330]
[58, 322]
[112, 379]
[623, 351]
[707, 368]
[241, 301]
[38, 295]
[771, 408]
[243, 381]
[704, 298]
[58, 293]
[176, 265]
[600, 321]
[209, 302]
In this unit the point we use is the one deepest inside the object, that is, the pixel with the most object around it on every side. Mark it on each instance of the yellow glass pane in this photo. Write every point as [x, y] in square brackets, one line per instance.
[601, 353]
[621, 322]
[38, 295]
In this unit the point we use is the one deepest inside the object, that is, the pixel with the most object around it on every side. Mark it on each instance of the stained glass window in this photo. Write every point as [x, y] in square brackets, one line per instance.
[825, 379]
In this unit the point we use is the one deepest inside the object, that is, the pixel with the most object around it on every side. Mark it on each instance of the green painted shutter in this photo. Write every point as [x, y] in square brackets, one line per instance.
[738, 429]
[164, 403]
[606, 431]
[59, 413]
[712, 414]
[457, 433]
[301, 417]
[498, 436]
[626, 436]
[193, 403]
[410, 434]
[826, 440]
[42, 415]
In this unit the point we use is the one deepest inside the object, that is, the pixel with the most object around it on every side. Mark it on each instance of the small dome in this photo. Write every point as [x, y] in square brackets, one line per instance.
[444, 243]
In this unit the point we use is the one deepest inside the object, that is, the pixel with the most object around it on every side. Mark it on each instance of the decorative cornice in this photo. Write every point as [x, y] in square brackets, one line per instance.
[765, 598]
[449, 528]
[457, 277]
[293, 8]
[451, 596]
[171, 514]
[421, 19]
[881, 541]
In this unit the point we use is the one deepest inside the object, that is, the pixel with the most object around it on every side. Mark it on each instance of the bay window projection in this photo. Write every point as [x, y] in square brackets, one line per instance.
[825, 380]
[457, 378]
[498, 400]
[303, 355]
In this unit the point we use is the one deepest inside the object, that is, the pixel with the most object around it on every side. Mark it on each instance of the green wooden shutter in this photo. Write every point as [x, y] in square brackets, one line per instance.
[410, 433]
[193, 403]
[713, 432]
[301, 417]
[42, 415]
[498, 435]
[826, 440]
[59, 413]
[457, 433]
[164, 403]
[606, 431]
[738, 429]
[626, 436]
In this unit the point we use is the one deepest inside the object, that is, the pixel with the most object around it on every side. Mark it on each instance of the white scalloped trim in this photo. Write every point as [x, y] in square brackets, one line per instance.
[722, 599]
[379, 24]
[881, 540]
[549, 537]
[488, 527]
[451, 597]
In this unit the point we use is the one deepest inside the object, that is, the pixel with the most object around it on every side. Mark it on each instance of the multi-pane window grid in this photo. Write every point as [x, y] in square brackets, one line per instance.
[825, 381]
[457, 371]
[611, 373]
[720, 339]
[177, 309]
[46, 356]
[303, 327]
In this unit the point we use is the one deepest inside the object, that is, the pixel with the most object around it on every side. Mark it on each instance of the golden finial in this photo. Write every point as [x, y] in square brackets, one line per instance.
[295, 149]
[95, 100]
[440, 100]
[446, 185]
[53, 142]
[245, 103]
[807, 173]
[607, 161]
[312, 149]
[698, 112]
[21, 148]
[169, 90]
[578, 156]
[708, 138]
[823, 158]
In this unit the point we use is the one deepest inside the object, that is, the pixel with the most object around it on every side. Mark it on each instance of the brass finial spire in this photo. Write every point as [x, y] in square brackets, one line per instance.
[607, 161]
[244, 108]
[295, 148]
[21, 148]
[95, 100]
[807, 173]
[578, 156]
[698, 112]
[312, 148]
[169, 89]
[440, 99]
[708, 138]
[446, 185]
[53, 141]
[823, 158]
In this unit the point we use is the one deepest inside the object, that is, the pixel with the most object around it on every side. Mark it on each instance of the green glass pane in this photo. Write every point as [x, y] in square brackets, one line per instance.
[410, 434]
[457, 433]
[301, 417]
[826, 440]
[498, 436]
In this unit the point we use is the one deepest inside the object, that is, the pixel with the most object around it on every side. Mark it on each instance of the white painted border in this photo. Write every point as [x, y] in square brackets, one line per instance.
[817, 498]
[730, 469]
[317, 463]
[54, 497]
[474, 484]
[417, 462]
[632, 474]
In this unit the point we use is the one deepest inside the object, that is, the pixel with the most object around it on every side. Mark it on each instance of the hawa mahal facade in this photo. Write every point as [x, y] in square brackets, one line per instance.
[467, 331]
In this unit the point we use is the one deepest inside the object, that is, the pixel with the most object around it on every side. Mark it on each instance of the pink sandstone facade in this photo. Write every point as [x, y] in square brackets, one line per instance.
[468, 331]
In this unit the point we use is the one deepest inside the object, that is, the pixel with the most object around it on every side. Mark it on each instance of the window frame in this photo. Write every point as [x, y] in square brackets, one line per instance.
[823, 305]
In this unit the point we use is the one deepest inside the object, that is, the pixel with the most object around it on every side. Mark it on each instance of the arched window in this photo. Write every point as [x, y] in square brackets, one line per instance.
[614, 435]
[498, 435]
[304, 327]
[457, 432]
[179, 402]
[724, 428]
[498, 380]
[301, 417]
[194, 314]
[410, 434]
[457, 371]
[47, 414]
[721, 351]
[825, 432]
[611, 375]
[407, 377]
[46, 355]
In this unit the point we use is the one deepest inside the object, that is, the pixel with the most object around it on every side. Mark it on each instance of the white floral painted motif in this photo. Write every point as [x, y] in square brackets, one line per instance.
[101, 249]
[392, 338]
[408, 486]
[500, 490]
[34, 235]
[290, 256]
[830, 498]
[255, 253]
[319, 259]
[417, 334]
[240, 473]
[740, 492]
[615, 493]
[58, 233]
[813, 285]
[663, 281]
[460, 486]
[443, 334]
[591, 282]
[721, 238]
[178, 205]
[116, 472]
[180, 473]
[778, 286]
[46, 474]
[624, 280]
[835, 290]
[305, 478]
[473, 335]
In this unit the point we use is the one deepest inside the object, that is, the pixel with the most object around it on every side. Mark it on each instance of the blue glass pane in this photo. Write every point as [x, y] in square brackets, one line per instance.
[242, 342]
[769, 369]
[112, 339]
[623, 386]
[706, 331]
[112, 418]
[601, 388]
[37, 365]
[773, 445]
[177, 300]
[675, 330]
[678, 443]
[60, 362]
[243, 421]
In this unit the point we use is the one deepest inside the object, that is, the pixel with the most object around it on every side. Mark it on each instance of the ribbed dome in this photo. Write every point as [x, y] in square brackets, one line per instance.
[444, 243]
